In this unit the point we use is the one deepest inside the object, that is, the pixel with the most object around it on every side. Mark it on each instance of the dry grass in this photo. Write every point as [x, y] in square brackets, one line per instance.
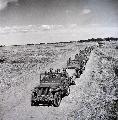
[95, 96]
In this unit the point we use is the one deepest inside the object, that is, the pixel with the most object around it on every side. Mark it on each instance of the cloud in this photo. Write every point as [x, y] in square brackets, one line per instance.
[51, 27]
[72, 26]
[68, 11]
[86, 11]
[31, 28]
[4, 3]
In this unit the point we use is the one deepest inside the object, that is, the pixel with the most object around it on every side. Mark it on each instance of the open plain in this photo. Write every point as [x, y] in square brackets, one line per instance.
[94, 97]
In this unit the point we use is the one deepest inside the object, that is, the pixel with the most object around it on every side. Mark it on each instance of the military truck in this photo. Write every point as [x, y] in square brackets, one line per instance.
[76, 65]
[53, 87]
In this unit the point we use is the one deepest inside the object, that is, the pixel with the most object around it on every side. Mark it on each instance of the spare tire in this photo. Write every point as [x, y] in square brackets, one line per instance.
[116, 71]
[57, 99]
[68, 91]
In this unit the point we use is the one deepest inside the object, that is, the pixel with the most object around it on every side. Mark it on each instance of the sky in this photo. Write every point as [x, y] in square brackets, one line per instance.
[70, 14]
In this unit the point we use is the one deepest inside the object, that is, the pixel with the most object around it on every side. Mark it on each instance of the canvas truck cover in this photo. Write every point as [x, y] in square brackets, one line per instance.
[71, 72]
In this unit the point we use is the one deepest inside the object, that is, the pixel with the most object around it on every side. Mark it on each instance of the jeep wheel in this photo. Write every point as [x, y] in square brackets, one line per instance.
[67, 91]
[73, 83]
[33, 103]
[57, 100]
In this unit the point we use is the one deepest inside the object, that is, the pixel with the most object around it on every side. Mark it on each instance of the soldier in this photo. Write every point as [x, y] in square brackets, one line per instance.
[45, 72]
[69, 59]
[50, 73]
[58, 70]
[64, 73]
[51, 70]
[76, 57]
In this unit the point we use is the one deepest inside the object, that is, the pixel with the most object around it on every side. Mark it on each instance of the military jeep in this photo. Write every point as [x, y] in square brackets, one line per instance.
[53, 87]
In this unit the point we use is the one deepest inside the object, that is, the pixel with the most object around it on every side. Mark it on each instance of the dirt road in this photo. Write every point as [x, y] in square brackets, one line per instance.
[24, 111]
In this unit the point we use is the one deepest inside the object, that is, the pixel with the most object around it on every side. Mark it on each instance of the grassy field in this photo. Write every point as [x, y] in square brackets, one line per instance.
[95, 96]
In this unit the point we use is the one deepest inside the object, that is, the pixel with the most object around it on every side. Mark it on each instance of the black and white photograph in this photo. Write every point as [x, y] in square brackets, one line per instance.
[58, 59]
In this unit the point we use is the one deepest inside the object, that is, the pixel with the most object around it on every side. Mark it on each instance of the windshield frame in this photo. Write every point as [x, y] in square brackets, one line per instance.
[50, 78]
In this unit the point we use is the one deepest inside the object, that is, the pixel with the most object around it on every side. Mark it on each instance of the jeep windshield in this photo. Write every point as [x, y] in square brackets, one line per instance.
[50, 78]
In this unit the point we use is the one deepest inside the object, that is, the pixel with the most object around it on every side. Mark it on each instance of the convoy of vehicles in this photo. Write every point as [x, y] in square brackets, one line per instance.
[54, 85]
[77, 65]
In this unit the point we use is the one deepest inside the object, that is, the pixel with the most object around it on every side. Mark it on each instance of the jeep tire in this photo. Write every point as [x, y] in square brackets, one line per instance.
[67, 91]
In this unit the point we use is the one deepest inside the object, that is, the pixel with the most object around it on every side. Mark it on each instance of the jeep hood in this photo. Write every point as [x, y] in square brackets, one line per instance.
[49, 84]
